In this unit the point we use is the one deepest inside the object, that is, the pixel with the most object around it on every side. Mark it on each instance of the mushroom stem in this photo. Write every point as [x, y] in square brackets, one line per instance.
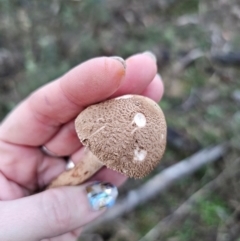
[80, 173]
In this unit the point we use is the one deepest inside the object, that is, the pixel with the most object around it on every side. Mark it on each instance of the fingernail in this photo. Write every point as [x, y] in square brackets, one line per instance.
[151, 55]
[120, 59]
[101, 195]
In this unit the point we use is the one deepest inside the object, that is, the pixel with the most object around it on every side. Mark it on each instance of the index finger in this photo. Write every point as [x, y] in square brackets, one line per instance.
[40, 116]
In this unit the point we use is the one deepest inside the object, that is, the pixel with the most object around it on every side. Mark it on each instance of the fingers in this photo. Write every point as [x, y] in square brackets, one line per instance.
[48, 214]
[155, 89]
[39, 117]
[49, 169]
[71, 236]
[65, 142]
[10, 190]
[108, 175]
[54, 169]
[140, 72]
[24, 169]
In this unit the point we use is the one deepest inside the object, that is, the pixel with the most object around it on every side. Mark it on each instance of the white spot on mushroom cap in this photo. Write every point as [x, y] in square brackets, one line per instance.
[124, 97]
[140, 120]
[139, 155]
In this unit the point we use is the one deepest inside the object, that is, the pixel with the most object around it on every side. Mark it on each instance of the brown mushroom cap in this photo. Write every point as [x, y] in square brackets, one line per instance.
[127, 134]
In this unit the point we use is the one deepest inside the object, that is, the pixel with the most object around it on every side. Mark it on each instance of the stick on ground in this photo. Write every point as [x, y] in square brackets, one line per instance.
[178, 216]
[161, 182]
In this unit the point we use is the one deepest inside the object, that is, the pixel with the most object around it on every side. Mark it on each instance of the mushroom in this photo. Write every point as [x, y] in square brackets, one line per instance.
[126, 134]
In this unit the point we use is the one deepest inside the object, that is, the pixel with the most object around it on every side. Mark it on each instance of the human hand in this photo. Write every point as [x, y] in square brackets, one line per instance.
[46, 118]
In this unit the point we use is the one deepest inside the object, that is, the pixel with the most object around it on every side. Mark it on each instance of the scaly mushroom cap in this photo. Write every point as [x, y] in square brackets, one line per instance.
[127, 134]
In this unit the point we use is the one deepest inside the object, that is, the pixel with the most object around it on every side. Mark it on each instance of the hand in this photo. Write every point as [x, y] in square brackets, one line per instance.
[46, 118]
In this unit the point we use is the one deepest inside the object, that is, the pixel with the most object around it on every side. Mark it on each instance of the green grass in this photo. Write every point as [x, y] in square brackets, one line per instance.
[146, 218]
[187, 232]
[208, 213]
[183, 7]
[212, 211]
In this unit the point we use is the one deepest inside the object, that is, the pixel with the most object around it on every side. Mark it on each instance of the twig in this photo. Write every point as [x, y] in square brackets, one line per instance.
[189, 58]
[227, 59]
[175, 219]
[162, 181]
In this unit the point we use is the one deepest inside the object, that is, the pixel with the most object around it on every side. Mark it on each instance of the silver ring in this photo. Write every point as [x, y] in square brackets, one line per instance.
[48, 152]
[70, 164]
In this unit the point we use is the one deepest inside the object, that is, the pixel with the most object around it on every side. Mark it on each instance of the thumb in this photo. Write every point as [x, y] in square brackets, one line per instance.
[53, 212]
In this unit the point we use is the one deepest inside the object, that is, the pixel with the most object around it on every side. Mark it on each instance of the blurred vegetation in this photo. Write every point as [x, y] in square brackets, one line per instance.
[41, 40]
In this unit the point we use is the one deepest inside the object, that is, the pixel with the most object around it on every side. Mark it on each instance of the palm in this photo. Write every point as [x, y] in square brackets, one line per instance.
[26, 170]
